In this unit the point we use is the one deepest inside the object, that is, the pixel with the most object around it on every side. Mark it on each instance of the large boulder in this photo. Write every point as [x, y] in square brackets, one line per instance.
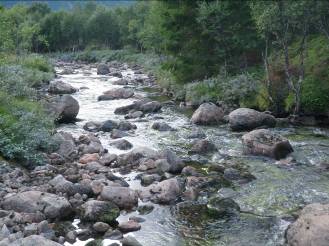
[34, 240]
[208, 114]
[64, 108]
[248, 119]
[102, 211]
[60, 87]
[164, 192]
[52, 206]
[150, 107]
[123, 197]
[117, 93]
[267, 143]
[311, 228]
[103, 69]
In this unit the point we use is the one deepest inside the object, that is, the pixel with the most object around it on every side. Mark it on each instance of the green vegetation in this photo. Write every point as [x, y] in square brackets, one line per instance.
[25, 129]
[261, 54]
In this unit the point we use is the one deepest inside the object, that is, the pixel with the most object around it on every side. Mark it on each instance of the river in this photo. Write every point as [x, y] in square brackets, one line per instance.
[267, 202]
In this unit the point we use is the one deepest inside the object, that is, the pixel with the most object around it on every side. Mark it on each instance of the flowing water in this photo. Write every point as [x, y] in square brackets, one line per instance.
[268, 201]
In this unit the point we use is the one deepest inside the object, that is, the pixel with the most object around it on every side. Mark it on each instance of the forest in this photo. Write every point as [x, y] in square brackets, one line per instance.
[219, 108]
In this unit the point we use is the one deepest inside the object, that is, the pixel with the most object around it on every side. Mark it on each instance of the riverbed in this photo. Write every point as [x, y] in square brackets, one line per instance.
[267, 202]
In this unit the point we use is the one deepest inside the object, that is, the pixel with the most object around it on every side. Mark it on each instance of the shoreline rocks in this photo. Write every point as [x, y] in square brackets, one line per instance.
[244, 119]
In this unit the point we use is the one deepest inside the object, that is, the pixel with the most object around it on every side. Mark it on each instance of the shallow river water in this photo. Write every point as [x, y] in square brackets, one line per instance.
[266, 202]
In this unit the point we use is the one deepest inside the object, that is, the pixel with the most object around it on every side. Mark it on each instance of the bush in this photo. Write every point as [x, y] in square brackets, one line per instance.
[240, 90]
[25, 129]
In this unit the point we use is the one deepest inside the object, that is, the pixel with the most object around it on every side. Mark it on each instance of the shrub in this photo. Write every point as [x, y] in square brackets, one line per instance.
[37, 62]
[25, 129]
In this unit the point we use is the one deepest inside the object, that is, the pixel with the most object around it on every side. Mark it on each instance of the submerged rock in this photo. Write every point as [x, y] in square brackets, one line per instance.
[161, 126]
[266, 143]
[202, 146]
[208, 114]
[220, 207]
[311, 228]
[129, 226]
[248, 119]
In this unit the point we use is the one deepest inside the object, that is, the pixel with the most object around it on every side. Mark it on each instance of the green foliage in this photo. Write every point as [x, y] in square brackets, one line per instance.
[25, 129]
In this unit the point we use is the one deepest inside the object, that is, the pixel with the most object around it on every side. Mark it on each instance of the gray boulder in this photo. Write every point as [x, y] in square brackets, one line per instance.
[202, 146]
[162, 126]
[122, 144]
[164, 192]
[311, 228]
[266, 143]
[208, 114]
[60, 87]
[34, 240]
[248, 119]
[52, 206]
[64, 108]
[117, 93]
[123, 197]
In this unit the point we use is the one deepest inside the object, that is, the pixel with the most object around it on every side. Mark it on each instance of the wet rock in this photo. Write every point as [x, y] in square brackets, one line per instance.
[248, 119]
[129, 240]
[202, 146]
[34, 240]
[145, 209]
[164, 192]
[123, 197]
[86, 158]
[133, 157]
[189, 171]
[84, 234]
[267, 143]
[150, 107]
[114, 235]
[126, 126]
[52, 206]
[197, 133]
[162, 165]
[122, 144]
[67, 71]
[129, 226]
[60, 87]
[137, 219]
[64, 108]
[118, 134]
[161, 126]
[117, 93]
[176, 163]
[311, 228]
[71, 236]
[92, 126]
[108, 159]
[99, 211]
[125, 109]
[103, 69]
[208, 114]
[221, 207]
[109, 125]
[120, 82]
[148, 179]
[116, 74]
[232, 174]
[134, 115]
[101, 227]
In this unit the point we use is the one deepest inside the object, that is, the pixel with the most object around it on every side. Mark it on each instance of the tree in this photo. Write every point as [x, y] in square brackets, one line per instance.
[281, 22]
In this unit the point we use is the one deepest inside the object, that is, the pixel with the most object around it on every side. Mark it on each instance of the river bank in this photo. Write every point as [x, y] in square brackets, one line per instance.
[216, 195]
